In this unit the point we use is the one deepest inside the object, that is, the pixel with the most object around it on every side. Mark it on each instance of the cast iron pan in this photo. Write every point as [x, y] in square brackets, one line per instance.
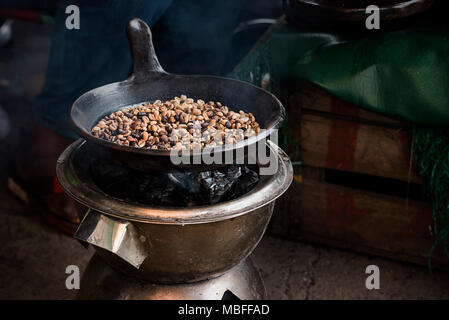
[150, 82]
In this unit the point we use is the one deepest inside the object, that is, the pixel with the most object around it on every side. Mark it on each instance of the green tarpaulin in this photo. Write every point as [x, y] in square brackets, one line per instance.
[401, 74]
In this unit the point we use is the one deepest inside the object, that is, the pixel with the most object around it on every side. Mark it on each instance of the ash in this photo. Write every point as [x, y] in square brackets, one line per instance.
[176, 188]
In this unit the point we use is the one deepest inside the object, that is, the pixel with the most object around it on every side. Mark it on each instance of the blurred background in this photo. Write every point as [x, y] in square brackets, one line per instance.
[312, 251]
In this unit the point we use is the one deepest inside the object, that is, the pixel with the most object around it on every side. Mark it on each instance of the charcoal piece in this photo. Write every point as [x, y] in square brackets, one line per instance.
[173, 189]
[185, 181]
[246, 183]
[215, 185]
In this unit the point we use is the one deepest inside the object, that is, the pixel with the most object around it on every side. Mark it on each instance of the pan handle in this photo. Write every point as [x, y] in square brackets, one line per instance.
[120, 237]
[144, 57]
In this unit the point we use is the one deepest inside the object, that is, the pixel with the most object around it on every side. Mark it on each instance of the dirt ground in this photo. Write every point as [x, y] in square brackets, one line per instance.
[33, 259]
[33, 256]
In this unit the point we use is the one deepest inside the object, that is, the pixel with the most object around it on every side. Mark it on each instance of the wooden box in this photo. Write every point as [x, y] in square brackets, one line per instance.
[357, 187]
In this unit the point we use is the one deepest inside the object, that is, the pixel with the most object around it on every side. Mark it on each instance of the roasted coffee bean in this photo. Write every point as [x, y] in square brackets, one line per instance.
[151, 126]
[164, 138]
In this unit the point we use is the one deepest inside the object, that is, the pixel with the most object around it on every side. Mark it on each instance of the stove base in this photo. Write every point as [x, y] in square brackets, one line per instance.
[100, 281]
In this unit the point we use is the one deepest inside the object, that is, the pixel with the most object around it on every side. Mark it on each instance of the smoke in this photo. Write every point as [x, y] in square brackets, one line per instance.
[194, 37]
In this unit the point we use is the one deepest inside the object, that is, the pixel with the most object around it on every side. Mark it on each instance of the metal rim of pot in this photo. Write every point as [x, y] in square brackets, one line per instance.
[268, 189]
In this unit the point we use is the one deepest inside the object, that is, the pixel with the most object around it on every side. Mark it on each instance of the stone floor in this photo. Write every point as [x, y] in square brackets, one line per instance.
[33, 257]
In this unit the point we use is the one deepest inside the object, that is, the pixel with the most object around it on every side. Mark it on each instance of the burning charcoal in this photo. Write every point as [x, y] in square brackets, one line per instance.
[174, 189]
[186, 181]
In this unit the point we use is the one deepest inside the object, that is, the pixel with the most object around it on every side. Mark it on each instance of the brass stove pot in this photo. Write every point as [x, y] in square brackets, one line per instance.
[171, 245]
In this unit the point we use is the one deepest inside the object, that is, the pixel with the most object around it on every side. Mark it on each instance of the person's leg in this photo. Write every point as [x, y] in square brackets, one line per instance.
[94, 55]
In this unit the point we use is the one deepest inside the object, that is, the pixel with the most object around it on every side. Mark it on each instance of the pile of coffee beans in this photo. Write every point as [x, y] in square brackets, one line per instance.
[180, 123]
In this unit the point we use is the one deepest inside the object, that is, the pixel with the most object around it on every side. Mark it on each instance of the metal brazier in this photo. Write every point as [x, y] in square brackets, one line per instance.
[171, 245]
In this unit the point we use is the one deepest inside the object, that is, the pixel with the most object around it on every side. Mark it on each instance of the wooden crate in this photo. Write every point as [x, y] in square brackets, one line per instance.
[357, 188]
[337, 135]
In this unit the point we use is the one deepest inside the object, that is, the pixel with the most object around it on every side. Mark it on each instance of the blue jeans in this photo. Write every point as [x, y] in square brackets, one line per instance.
[98, 53]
